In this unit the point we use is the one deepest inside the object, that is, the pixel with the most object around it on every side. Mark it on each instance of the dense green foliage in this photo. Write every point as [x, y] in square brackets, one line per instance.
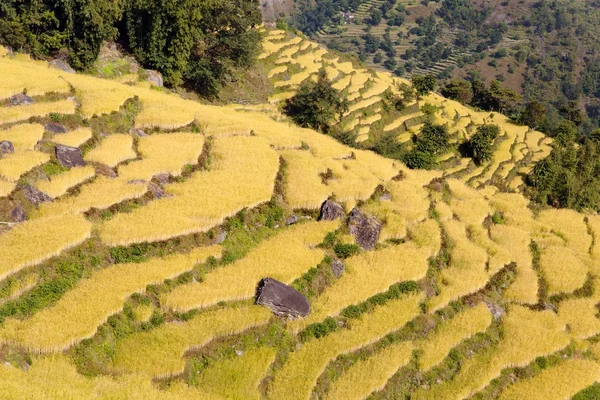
[481, 144]
[431, 141]
[45, 27]
[423, 85]
[316, 105]
[191, 42]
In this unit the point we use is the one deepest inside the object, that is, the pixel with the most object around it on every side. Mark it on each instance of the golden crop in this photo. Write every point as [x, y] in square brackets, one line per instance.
[24, 136]
[74, 138]
[113, 150]
[284, 257]
[60, 184]
[41, 109]
[15, 165]
[77, 315]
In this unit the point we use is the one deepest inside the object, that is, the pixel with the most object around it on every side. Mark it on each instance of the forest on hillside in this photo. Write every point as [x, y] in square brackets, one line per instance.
[192, 43]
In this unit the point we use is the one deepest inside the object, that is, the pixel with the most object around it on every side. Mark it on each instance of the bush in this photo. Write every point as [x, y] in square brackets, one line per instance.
[345, 250]
[482, 143]
[316, 104]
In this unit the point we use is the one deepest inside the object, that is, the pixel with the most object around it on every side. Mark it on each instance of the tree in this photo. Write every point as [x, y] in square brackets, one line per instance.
[482, 143]
[565, 133]
[407, 91]
[316, 104]
[423, 84]
[459, 90]
[533, 115]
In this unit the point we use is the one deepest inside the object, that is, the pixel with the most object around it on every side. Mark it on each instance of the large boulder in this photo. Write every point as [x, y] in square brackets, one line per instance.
[69, 157]
[6, 147]
[291, 220]
[103, 169]
[337, 267]
[155, 78]
[55, 127]
[35, 196]
[18, 213]
[331, 210]
[365, 229]
[21, 100]
[284, 300]
[62, 65]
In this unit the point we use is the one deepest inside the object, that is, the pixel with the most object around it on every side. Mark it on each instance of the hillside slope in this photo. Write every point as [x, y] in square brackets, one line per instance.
[134, 275]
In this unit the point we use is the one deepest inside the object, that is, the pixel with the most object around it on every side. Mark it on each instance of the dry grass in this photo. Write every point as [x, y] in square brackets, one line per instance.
[296, 379]
[32, 242]
[305, 188]
[468, 204]
[77, 314]
[277, 70]
[99, 96]
[342, 83]
[570, 225]
[159, 352]
[101, 193]
[206, 198]
[6, 188]
[580, 316]
[562, 270]
[24, 136]
[237, 378]
[363, 104]
[284, 257]
[43, 109]
[378, 88]
[60, 184]
[15, 165]
[527, 335]
[164, 153]
[74, 138]
[113, 150]
[556, 383]
[451, 333]
[370, 375]
[166, 111]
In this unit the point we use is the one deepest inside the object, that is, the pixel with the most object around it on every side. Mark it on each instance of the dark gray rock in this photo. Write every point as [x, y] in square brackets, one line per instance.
[157, 191]
[331, 210]
[102, 169]
[284, 300]
[18, 213]
[55, 127]
[496, 311]
[155, 78]
[162, 179]
[35, 196]
[69, 157]
[62, 65]
[291, 220]
[220, 238]
[21, 100]
[365, 229]
[6, 147]
[385, 197]
[338, 268]
[138, 132]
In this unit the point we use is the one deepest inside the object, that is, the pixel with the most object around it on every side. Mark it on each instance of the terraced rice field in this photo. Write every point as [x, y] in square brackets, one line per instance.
[135, 276]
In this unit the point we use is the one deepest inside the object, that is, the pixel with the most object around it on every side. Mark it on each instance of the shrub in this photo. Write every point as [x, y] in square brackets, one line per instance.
[345, 250]
[482, 142]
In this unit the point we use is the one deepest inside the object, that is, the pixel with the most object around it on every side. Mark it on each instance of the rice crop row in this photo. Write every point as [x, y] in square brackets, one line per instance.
[563, 271]
[363, 104]
[81, 310]
[6, 188]
[451, 333]
[74, 138]
[113, 150]
[527, 335]
[237, 378]
[19, 75]
[370, 375]
[24, 136]
[41, 109]
[99, 96]
[56, 377]
[296, 379]
[571, 227]
[284, 257]
[556, 383]
[101, 193]
[159, 352]
[371, 273]
[15, 165]
[61, 183]
[32, 242]
[206, 198]
[164, 153]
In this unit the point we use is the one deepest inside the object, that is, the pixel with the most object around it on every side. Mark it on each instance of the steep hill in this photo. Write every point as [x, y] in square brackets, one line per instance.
[131, 272]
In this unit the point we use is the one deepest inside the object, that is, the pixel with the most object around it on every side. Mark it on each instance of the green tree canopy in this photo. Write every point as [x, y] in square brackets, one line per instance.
[316, 104]
[481, 144]
[423, 84]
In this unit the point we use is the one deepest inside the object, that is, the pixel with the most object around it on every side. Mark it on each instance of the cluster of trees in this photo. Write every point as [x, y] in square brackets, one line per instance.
[477, 93]
[314, 15]
[191, 42]
[570, 176]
